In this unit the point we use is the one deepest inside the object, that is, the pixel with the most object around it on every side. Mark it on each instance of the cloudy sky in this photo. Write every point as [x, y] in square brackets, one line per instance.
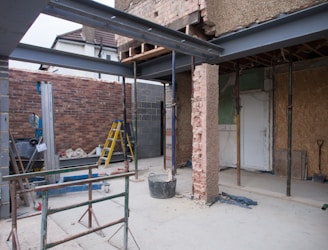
[49, 27]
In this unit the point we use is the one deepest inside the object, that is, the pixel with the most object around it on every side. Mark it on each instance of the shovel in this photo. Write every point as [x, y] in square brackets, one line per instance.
[319, 177]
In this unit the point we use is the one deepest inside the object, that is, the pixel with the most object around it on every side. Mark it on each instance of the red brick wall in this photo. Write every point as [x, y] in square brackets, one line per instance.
[84, 108]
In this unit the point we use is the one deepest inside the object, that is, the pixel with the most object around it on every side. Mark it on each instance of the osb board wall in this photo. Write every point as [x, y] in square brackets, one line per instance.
[310, 114]
[183, 125]
[230, 15]
[160, 11]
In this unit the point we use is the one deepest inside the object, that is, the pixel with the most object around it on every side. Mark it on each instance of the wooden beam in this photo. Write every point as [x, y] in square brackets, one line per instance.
[146, 55]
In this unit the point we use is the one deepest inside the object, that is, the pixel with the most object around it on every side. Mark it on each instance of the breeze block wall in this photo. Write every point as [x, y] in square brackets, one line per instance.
[150, 100]
[84, 108]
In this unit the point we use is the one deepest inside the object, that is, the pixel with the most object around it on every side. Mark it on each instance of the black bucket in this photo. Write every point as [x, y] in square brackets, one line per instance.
[159, 187]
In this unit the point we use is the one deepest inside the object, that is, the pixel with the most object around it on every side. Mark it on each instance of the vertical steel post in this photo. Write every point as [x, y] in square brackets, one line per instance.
[164, 127]
[12, 186]
[173, 112]
[237, 104]
[126, 162]
[48, 129]
[290, 122]
[90, 199]
[44, 224]
[135, 120]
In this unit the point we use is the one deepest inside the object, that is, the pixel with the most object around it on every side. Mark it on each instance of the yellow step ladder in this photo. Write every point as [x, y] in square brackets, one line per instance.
[115, 134]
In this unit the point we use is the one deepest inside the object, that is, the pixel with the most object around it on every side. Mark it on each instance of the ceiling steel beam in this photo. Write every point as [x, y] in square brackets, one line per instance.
[16, 17]
[296, 28]
[307, 25]
[34, 54]
[122, 23]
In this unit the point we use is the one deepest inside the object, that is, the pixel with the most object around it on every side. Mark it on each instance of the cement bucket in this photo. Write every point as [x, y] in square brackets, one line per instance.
[160, 187]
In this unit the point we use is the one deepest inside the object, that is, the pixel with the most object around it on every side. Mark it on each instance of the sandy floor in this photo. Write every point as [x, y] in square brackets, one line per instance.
[179, 222]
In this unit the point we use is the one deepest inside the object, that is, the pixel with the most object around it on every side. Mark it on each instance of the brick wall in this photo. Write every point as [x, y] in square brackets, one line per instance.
[84, 108]
[161, 11]
[205, 129]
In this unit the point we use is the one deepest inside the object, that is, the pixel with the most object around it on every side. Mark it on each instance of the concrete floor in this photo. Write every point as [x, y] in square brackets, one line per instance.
[277, 222]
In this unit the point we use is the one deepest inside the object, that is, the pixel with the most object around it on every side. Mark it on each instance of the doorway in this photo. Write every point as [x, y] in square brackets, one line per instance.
[255, 131]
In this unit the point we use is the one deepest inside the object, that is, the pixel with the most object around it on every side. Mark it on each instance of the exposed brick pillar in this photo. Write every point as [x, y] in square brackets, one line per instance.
[4, 136]
[205, 124]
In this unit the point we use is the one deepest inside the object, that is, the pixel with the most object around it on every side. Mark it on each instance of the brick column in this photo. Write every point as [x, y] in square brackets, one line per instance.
[205, 129]
[4, 136]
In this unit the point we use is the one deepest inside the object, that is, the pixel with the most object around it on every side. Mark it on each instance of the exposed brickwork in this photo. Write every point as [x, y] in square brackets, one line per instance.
[168, 126]
[84, 108]
[161, 11]
[204, 119]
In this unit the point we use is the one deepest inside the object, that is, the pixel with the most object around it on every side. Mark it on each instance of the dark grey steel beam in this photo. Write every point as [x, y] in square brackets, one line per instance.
[34, 54]
[110, 19]
[307, 25]
[15, 19]
[300, 27]
[159, 68]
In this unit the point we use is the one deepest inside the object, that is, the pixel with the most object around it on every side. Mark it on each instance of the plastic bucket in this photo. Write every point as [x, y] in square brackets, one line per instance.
[159, 187]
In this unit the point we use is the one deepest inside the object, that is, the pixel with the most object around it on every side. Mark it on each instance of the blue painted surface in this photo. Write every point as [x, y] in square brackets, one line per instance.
[76, 188]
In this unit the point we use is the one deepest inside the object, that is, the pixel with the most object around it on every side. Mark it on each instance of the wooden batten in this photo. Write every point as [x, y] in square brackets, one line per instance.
[147, 54]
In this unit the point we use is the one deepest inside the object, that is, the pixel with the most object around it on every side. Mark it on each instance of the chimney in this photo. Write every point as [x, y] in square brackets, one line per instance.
[88, 34]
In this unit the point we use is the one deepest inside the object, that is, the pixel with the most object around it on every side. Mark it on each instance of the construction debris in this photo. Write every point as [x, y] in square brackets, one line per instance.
[234, 200]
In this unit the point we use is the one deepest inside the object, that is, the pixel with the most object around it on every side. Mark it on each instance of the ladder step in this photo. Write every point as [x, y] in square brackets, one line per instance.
[115, 135]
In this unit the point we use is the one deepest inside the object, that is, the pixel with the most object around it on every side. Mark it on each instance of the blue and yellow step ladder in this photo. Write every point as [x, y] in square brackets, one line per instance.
[115, 134]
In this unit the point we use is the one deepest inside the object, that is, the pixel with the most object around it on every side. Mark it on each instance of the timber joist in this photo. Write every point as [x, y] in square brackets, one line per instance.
[134, 51]
[141, 53]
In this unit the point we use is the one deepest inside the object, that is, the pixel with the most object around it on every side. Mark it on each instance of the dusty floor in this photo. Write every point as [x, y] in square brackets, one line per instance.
[276, 222]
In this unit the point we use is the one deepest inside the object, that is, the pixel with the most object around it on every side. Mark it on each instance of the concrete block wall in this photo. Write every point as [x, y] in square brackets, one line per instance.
[150, 98]
[4, 137]
[84, 108]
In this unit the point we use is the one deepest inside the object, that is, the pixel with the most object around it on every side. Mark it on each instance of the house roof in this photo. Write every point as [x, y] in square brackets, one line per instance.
[101, 37]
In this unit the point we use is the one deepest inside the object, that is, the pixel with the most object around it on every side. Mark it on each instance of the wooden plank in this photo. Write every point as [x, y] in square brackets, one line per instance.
[146, 55]
[16, 170]
[298, 163]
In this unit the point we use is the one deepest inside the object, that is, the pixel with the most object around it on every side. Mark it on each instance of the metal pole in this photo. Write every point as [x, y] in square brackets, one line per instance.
[90, 199]
[126, 162]
[44, 220]
[48, 129]
[135, 120]
[15, 244]
[126, 213]
[192, 97]
[164, 126]
[237, 104]
[173, 112]
[289, 136]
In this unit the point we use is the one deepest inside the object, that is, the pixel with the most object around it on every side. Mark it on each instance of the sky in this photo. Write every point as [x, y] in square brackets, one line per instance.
[49, 27]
